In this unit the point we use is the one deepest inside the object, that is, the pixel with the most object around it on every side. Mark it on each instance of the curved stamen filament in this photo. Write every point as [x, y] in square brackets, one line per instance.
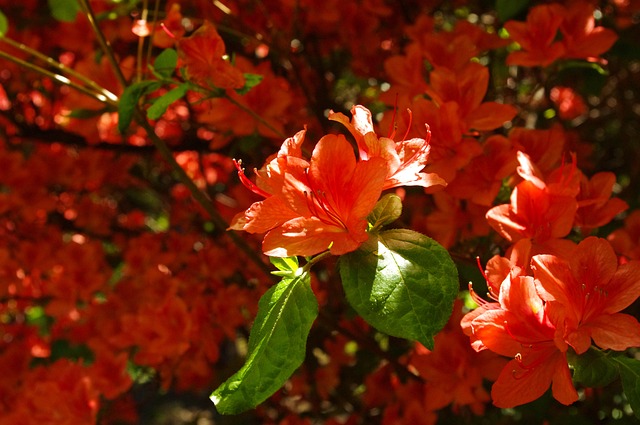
[527, 369]
[248, 183]
[475, 297]
[409, 125]
[319, 205]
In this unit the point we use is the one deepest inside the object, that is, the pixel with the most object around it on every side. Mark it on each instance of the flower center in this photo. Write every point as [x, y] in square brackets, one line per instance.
[319, 204]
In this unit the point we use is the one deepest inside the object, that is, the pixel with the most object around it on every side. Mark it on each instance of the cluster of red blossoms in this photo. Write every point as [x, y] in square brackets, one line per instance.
[115, 283]
[551, 296]
[323, 203]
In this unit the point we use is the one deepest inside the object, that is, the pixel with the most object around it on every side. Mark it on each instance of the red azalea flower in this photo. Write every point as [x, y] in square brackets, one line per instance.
[541, 209]
[405, 159]
[518, 326]
[315, 205]
[586, 293]
[203, 56]
[537, 36]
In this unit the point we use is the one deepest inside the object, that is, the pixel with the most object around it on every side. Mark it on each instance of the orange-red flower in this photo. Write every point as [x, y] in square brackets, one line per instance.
[203, 56]
[580, 36]
[481, 180]
[537, 36]
[626, 240]
[596, 207]
[405, 159]
[542, 210]
[314, 205]
[518, 326]
[467, 88]
[586, 293]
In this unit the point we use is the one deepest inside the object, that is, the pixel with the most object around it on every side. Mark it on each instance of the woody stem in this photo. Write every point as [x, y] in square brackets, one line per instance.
[200, 196]
[104, 43]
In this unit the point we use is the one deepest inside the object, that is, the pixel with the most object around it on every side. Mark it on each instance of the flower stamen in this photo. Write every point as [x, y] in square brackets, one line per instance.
[248, 183]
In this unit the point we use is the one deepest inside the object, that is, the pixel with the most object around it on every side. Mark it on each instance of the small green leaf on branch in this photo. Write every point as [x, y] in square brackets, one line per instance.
[277, 345]
[64, 10]
[129, 100]
[250, 81]
[165, 63]
[287, 266]
[160, 105]
[4, 24]
[401, 282]
[386, 211]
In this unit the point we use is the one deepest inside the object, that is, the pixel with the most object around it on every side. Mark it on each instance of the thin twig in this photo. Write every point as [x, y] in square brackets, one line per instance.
[200, 196]
[61, 79]
[60, 67]
[104, 43]
[255, 116]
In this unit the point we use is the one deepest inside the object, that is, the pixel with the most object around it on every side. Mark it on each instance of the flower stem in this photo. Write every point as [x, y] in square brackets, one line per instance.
[316, 259]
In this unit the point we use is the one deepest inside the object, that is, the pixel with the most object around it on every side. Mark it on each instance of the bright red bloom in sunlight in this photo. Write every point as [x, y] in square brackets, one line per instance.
[586, 293]
[467, 88]
[518, 326]
[541, 209]
[314, 205]
[203, 56]
[405, 159]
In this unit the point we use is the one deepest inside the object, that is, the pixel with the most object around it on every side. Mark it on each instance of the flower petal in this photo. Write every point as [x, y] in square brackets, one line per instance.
[310, 236]
[624, 287]
[594, 263]
[615, 332]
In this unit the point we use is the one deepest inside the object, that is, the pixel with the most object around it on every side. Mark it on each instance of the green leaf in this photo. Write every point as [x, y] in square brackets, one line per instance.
[593, 368]
[129, 100]
[250, 81]
[508, 9]
[401, 282]
[277, 345]
[4, 24]
[386, 211]
[630, 375]
[166, 63]
[161, 104]
[287, 266]
[64, 10]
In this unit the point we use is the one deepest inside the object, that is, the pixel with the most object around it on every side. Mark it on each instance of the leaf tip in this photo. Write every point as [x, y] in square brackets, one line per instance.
[215, 398]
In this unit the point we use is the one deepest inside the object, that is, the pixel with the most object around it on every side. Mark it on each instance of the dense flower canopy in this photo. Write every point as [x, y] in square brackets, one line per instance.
[436, 136]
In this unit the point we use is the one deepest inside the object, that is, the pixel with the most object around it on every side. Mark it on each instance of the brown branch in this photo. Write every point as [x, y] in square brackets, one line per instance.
[200, 196]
